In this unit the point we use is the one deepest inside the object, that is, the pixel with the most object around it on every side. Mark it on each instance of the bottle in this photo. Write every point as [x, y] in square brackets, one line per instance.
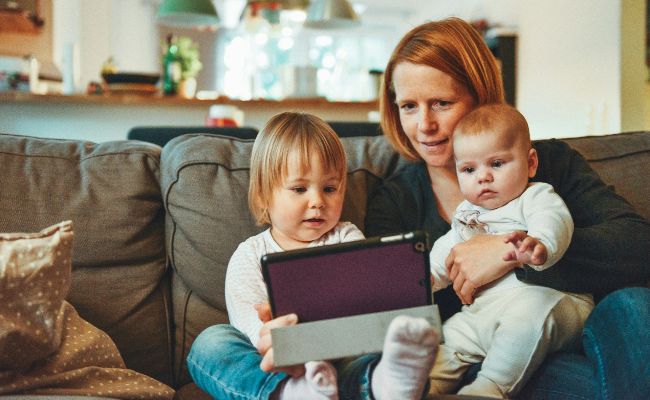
[171, 68]
[33, 67]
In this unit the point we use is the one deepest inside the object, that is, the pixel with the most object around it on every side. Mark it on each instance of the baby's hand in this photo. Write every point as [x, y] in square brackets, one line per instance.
[265, 344]
[527, 249]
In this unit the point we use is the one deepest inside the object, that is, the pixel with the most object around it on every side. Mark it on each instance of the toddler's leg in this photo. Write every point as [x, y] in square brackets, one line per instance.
[409, 352]
[318, 383]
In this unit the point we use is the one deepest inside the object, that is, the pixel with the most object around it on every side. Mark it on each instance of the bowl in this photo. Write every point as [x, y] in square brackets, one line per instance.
[131, 77]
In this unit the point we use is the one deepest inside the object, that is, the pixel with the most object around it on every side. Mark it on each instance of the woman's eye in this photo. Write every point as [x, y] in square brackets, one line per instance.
[407, 107]
[441, 105]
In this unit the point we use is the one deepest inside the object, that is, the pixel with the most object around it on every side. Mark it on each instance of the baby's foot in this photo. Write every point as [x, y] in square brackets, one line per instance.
[409, 353]
[318, 383]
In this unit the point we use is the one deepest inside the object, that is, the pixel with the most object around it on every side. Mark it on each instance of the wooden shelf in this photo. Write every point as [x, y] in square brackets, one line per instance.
[25, 97]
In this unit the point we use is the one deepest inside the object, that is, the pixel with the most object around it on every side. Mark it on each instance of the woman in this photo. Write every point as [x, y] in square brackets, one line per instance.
[438, 73]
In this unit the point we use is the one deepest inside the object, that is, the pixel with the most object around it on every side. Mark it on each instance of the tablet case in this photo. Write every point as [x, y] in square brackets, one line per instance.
[352, 278]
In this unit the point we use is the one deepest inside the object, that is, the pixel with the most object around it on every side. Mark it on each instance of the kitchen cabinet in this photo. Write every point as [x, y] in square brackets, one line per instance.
[20, 16]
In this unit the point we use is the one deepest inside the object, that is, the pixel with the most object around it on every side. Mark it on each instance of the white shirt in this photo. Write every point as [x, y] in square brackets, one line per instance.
[539, 211]
[244, 281]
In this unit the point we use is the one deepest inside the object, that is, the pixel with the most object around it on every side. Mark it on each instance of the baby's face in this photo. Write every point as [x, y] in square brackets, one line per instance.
[492, 171]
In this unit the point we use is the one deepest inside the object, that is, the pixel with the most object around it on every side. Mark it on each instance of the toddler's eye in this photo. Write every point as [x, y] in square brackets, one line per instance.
[468, 170]
[299, 189]
[497, 163]
[331, 189]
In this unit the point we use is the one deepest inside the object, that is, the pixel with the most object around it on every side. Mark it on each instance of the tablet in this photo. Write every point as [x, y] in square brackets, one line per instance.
[367, 276]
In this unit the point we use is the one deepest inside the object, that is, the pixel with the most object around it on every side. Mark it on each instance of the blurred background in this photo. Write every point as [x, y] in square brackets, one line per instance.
[576, 68]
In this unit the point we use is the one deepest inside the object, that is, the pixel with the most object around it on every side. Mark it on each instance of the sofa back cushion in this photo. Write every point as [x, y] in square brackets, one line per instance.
[111, 192]
[622, 161]
[205, 187]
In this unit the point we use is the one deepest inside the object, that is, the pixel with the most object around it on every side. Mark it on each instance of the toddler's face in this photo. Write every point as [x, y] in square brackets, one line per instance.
[491, 171]
[306, 205]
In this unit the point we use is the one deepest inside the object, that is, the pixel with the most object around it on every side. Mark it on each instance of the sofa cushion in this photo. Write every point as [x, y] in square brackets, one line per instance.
[205, 186]
[111, 193]
[621, 160]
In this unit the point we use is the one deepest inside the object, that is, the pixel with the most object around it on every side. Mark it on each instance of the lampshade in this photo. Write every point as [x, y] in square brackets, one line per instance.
[187, 13]
[331, 14]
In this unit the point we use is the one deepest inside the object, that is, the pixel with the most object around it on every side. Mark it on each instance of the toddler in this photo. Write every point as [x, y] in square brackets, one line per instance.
[511, 325]
[297, 187]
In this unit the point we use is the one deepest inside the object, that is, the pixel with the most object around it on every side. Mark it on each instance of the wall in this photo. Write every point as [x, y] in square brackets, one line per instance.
[634, 71]
[104, 28]
[569, 67]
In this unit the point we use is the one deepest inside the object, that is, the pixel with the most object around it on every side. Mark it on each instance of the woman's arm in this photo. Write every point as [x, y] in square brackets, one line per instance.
[609, 249]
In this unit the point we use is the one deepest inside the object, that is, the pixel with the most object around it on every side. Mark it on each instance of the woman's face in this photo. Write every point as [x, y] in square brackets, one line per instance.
[430, 104]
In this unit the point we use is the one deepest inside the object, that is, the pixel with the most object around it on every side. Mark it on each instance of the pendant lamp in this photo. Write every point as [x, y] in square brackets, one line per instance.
[187, 13]
[331, 14]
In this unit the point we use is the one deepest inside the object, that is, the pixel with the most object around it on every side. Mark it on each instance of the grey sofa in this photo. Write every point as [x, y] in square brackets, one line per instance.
[155, 228]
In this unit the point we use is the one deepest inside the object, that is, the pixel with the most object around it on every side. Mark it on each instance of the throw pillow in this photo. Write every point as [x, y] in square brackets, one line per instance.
[46, 348]
[34, 280]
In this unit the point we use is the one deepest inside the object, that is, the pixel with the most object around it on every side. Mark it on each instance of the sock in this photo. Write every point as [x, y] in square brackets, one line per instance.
[318, 383]
[409, 352]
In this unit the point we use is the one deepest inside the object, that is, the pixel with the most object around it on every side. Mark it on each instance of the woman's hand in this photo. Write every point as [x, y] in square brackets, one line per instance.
[477, 262]
[265, 345]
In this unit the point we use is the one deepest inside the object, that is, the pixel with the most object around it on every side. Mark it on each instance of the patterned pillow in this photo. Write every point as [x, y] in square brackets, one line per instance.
[34, 280]
[46, 348]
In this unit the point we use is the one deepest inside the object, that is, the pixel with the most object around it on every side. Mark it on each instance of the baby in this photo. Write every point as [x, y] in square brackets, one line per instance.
[511, 325]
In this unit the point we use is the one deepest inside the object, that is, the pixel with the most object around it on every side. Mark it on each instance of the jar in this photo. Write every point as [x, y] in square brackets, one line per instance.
[223, 115]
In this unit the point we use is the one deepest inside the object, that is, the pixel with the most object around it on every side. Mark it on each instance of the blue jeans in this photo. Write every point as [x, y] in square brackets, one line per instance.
[224, 363]
[616, 342]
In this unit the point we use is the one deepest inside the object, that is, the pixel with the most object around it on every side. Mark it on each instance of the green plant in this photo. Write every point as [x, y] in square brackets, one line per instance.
[188, 52]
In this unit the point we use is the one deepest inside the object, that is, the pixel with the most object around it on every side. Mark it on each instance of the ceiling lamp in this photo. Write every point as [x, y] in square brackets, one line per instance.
[331, 14]
[187, 14]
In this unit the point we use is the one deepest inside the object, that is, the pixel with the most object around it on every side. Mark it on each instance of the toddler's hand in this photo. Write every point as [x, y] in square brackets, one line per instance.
[265, 344]
[526, 249]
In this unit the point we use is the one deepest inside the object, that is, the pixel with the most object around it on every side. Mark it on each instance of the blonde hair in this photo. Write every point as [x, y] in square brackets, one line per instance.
[284, 135]
[497, 119]
[452, 46]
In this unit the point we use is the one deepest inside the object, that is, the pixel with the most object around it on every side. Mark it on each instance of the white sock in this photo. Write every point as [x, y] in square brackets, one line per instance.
[409, 352]
[318, 383]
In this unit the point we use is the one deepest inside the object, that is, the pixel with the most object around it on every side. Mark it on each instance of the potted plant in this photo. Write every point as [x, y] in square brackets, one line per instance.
[190, 63]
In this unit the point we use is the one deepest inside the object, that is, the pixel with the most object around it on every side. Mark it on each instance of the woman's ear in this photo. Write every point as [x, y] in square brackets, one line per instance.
[533, 162]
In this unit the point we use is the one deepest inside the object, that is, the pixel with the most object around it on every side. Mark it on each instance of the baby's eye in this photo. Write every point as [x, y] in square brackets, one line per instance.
[497, 163]
[298, 189]
[467, 170]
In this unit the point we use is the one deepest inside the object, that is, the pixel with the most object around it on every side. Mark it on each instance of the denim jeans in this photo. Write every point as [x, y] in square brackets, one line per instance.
[224, 363]
[616, 342]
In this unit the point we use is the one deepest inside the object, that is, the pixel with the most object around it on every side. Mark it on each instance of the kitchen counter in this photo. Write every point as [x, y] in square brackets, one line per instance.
[110, 117]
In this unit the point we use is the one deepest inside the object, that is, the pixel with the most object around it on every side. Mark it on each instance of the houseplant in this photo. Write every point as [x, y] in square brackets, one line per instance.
[183, 53]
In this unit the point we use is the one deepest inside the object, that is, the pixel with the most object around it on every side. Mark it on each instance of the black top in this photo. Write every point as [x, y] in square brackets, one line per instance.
[609, 248]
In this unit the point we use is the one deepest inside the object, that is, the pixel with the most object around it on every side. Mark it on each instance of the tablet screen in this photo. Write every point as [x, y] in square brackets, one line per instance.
[366, 276]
